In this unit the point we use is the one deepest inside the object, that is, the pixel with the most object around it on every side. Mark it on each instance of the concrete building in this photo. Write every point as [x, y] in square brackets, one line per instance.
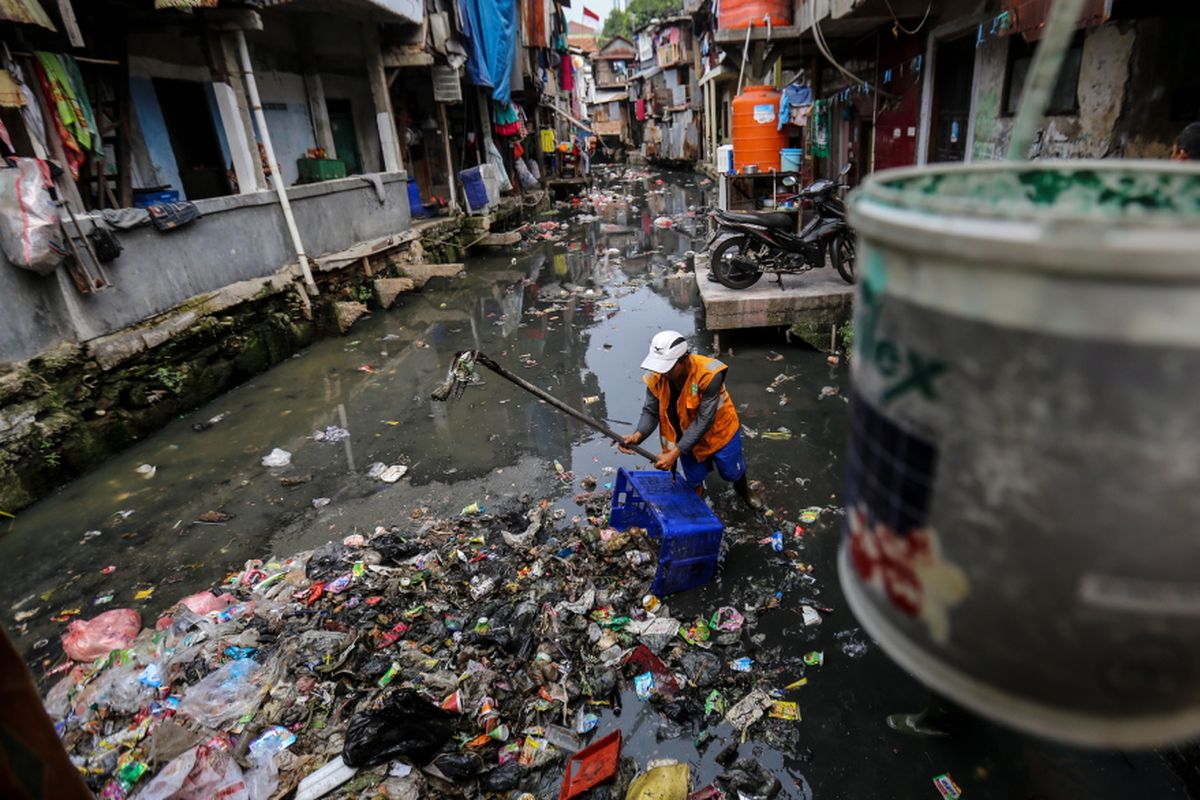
[234, 181]
[913, 82]
[610, 112]
[664, 91]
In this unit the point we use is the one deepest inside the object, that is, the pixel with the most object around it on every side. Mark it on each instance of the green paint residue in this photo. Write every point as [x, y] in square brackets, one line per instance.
[1069, 191]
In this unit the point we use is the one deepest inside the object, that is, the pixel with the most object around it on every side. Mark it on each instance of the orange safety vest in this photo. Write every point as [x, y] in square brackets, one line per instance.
[725, 424]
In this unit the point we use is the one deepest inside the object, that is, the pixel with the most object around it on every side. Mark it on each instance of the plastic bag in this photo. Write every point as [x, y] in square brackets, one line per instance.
[207, 602]
[205, 771]
[668, 782]
[409, 726]
[97, 637]
[226, 695]
[120, 689]
[30, 231]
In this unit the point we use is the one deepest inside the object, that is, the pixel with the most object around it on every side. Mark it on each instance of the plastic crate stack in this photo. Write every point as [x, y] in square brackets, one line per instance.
[688, 532]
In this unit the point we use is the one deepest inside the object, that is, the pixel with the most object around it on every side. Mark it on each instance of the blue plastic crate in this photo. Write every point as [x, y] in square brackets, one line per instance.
[679, 576]
[658, 502]
[689, 533]
[474, 189]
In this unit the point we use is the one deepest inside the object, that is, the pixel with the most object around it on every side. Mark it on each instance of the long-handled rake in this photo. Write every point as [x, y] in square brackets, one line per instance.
[462, 373]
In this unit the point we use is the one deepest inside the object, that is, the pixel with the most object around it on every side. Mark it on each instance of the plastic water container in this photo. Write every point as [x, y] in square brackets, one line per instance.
[475, 190]
[757, 139]
[725, 159]
[1022, 484]
[689, 533]
[416, 207]
[790, 159]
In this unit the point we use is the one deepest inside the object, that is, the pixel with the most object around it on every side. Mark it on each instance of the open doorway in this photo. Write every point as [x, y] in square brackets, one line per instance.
[193, 135]
[954, 73]
[345, 138]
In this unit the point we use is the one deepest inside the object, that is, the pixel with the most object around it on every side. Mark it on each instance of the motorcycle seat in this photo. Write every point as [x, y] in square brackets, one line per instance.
[771, 219]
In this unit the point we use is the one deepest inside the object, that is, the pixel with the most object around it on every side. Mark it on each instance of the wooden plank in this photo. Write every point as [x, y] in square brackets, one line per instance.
[500, 239]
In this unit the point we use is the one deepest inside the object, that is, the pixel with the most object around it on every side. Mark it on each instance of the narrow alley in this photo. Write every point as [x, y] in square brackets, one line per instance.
[573, 316]
[599, 399]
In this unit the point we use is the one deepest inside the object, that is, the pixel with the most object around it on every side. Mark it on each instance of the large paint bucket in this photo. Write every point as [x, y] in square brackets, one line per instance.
[1024, 481]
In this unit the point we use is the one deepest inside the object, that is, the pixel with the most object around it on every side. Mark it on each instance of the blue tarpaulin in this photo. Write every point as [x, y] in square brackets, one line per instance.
[492, 44]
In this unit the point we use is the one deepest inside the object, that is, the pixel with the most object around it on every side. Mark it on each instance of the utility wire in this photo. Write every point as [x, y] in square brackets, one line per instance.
[823, 46]
[896, 20]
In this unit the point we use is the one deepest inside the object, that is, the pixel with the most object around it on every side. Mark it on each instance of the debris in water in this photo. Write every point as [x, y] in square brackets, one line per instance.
[946, 787]
[147, 471]
[852, 642]
[331, 435]
[277, 458]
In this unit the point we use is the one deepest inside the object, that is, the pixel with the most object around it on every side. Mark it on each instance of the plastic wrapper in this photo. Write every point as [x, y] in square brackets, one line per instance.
[408, 726]
[30, 232]
[99, 636]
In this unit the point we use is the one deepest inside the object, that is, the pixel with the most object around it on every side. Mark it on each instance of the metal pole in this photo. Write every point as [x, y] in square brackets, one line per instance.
[451, 178]
[561, 406]
[1043, 74]
[261, 120]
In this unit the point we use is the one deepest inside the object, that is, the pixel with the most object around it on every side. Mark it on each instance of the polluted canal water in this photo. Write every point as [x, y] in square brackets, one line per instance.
[572, 311]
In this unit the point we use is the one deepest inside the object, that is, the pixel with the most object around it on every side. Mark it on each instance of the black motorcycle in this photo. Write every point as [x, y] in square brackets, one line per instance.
[745, 244]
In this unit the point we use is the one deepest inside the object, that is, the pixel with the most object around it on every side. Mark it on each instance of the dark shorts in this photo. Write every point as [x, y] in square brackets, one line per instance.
[729, 461]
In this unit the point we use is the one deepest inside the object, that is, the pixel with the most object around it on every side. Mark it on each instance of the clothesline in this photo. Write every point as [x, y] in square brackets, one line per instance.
[106, 62]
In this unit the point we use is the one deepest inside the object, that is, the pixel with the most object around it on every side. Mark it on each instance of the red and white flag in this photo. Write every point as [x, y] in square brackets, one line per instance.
[587, 12]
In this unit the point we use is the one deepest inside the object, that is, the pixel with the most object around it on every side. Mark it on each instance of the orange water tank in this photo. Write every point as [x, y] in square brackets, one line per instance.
[746, 13]
[757, 139]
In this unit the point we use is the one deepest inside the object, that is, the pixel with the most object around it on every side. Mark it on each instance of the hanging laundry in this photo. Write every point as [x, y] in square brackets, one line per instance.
[79, 93]
[72, 151]
[504, 119]
[795, 97]
[28, 12]
[491, 33]
[639, 109]
[35, 126]
[70, 98]
[566, 74]
[10, 91]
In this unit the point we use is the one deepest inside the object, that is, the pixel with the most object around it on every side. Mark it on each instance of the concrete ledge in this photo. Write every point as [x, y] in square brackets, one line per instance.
[116, 348]
[420, 274]
[819, 297]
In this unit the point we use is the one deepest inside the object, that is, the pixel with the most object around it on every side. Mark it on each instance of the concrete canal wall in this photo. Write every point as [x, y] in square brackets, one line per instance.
[238, 238]
[191, 313]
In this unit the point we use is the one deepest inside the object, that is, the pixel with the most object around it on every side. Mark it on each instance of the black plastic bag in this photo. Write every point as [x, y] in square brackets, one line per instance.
[459, 766]
[504, 778]
[394, 547]
[325, 561]
[409, 726]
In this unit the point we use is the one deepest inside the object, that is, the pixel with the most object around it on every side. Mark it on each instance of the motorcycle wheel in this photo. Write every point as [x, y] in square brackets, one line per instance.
[728, 273]
[843, 256]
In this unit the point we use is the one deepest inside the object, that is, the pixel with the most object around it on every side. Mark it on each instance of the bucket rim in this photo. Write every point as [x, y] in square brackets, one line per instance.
[876, 186]
[1161, 245]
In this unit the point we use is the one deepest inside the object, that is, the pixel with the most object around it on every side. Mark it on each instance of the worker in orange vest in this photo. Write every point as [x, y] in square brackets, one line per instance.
[687, 401]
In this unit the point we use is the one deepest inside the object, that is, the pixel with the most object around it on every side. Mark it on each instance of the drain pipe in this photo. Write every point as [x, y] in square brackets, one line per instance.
[277, 178]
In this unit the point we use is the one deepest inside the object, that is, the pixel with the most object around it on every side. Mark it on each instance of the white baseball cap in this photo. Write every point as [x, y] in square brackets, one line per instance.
[665, 350]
